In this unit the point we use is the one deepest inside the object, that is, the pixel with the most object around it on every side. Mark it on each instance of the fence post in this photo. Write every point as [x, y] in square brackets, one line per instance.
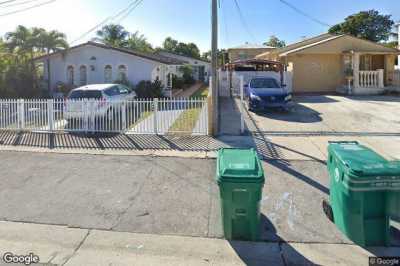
[155, 106]
[50, 114]
[21, 114]
[241, 105]
[86, 114]
[124, 124]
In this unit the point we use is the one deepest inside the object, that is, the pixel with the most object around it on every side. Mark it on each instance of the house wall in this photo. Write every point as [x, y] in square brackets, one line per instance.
[195, 63]
[248, 53]
[137, 68]
[316, 72]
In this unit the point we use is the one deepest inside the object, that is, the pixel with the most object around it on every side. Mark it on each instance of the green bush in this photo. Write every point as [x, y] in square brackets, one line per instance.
[148, 89]
[187, 76]
[177, 82]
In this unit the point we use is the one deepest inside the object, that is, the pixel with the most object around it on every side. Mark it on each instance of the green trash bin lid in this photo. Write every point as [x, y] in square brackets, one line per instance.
[239, 166]
[364, 167]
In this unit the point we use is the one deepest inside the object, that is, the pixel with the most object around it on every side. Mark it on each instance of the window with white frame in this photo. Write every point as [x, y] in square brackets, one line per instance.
[83, 75]
[70, 75]
[122, 72]
[108, 74]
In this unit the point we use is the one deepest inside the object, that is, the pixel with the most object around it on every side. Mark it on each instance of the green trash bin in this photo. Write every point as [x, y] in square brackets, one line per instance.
[240, 177]
[364, 192]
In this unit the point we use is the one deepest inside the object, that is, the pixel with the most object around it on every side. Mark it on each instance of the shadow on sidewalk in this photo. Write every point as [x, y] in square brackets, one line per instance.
[106, 141]
[257, 253]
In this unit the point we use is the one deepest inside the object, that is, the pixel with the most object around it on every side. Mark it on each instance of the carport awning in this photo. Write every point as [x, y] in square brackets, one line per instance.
[257, 65]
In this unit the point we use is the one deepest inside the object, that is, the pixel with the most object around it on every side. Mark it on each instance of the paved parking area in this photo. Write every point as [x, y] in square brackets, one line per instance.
[362, 115]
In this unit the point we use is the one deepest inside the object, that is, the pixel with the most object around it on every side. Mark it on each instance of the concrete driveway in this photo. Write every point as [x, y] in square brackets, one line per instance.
[370, 115]
[372, 120]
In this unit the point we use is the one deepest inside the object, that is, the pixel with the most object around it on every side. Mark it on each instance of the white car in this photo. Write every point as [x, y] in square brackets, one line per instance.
[99, 100]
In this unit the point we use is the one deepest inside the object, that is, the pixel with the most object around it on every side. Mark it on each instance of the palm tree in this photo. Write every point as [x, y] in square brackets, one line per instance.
[49, 42]
[138, 42]
[113, 35]
[20, 42]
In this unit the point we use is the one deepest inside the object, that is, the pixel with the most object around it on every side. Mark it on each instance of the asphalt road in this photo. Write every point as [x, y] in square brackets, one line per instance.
[173, 196]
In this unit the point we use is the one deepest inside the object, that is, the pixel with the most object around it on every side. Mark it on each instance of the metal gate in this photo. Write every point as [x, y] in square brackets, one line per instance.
[140, 116]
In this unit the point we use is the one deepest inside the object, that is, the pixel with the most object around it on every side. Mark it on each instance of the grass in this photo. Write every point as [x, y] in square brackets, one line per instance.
[186, 121]
[200, 93]
[188, 118]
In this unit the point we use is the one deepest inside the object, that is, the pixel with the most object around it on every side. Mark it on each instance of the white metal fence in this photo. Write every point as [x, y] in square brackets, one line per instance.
[140, 116]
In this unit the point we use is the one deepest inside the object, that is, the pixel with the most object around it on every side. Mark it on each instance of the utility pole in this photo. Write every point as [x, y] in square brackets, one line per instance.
[214, 64]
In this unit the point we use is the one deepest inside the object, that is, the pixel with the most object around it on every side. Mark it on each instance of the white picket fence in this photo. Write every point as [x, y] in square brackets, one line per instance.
[140, 116]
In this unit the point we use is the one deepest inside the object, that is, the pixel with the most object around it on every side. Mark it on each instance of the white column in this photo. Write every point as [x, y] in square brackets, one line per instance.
[356, 69]
[381, 83]
[398, 44]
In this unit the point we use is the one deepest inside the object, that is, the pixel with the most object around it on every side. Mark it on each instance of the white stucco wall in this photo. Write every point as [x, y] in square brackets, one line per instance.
[138, 68]
[193, 62]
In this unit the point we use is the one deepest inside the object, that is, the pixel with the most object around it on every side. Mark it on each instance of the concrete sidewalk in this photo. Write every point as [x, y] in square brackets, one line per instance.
[60, 245]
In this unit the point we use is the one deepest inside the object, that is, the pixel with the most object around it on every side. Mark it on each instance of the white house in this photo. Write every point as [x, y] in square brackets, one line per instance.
[201, 68]
[92, 63]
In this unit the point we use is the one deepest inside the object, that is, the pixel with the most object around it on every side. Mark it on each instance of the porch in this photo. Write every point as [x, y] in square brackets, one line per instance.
[367, 73]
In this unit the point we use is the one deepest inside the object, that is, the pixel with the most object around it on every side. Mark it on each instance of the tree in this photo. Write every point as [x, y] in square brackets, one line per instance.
[50, 42]
[186, 49]
[170, 44]
[19, 72]
[113, 35]
[392, 44]
[369, 25]
[138, 42]
[275, 42]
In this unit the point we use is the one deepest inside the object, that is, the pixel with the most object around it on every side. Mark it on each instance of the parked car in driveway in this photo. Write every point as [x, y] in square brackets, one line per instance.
[101, 100]
[263, 93]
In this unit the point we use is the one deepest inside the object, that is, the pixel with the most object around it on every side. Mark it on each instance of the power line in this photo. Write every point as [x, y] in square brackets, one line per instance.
[243, 21]
[301, 12]
[27, 8]
[129, 11]
[9, 1]
[224, 18]
[19, 3]
[125, 11]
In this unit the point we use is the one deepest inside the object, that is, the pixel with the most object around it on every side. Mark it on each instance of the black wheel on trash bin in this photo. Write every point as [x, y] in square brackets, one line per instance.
[326, 206]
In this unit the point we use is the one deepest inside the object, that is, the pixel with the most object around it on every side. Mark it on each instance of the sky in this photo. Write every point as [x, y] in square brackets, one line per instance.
[189, 20]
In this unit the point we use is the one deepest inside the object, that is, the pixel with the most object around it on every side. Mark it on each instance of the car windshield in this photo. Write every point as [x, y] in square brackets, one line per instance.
[85, 94]
[263, 83]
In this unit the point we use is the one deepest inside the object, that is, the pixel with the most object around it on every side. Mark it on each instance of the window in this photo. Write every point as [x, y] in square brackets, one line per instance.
[108, 74]
[113, 91]
[70, 75]
[83, 75]
[123, 89]
[85, 94]
[122, 72]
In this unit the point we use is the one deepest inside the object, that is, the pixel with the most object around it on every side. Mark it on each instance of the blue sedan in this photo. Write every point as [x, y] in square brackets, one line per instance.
[263, 93]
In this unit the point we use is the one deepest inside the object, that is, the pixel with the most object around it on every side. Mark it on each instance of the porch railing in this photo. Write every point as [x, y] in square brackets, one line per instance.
[394, 78]
[371, 79]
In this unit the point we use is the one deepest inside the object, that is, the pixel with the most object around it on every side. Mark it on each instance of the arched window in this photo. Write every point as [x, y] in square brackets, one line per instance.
[122, 72]
[83, 75]
[70, 75]
[108, 74]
